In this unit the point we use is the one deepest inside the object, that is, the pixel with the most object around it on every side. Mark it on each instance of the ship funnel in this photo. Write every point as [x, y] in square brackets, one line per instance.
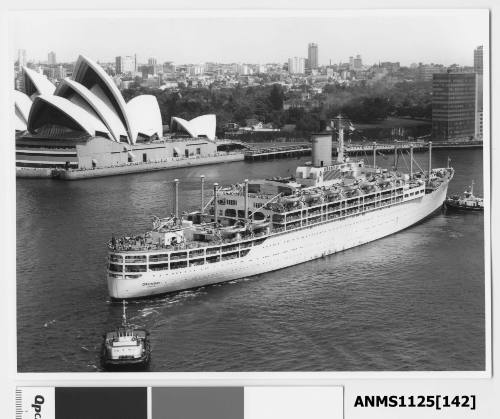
[322, 150]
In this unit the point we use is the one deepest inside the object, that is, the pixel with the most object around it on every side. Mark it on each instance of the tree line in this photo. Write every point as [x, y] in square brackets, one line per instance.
[362, 103]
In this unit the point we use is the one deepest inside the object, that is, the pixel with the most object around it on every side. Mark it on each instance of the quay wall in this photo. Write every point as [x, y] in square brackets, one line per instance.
[138, 167]
[33, 172]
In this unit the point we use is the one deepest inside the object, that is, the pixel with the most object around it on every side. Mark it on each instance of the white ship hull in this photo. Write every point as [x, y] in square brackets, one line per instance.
[286, 249]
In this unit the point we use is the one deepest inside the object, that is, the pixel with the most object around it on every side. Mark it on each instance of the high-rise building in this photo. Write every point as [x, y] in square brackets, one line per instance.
[296, 65]
[455, 106]
[52, 58]
[243, 69]
[312, 55]
[152, 61]
[357, 63]
[60, 73]
[261, 68]
[478, 69]
[125, 64]
[195, 70]
[351, 63]
[168, 67]
[478, 60]
[21, 58]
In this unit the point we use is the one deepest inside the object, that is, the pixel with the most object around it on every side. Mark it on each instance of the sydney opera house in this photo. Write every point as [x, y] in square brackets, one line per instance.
[85, 123]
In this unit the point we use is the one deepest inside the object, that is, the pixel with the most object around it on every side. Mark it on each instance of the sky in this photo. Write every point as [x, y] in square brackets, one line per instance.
[444, 37]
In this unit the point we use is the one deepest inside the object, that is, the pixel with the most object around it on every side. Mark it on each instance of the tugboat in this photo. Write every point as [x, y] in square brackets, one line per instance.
[126, 348]
[467, 201]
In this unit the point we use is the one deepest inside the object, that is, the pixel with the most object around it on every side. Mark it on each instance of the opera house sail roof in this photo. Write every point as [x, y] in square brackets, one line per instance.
[201, 126]
[89, 102]
[36, 83]
[22, 106]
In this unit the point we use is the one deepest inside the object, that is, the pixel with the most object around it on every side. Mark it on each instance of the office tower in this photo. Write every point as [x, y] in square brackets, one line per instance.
[478, 69]
[125, 64]
[52, 58]
[312, 55]
[21, 58]
[455, 106]
[60, 73]
[357, 63]
[478, 60]
[296, 65]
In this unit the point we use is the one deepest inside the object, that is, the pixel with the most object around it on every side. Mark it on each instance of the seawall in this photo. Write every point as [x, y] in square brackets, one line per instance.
[138, 167]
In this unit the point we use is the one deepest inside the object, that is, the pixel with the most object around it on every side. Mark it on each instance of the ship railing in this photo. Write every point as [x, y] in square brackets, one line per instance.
[279, 229]
[213, 251]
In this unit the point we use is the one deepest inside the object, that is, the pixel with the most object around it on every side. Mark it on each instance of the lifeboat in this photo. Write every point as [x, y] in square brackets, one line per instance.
[276, 207]
[259, 224]
[312, 197]
[368, 187]
[292, 199]
[332, 195]
[237, 228]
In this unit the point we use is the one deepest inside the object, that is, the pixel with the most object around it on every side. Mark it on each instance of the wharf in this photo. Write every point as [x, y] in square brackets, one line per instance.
[137, 167]
[354, 149]
[417, 146]
[277, 152]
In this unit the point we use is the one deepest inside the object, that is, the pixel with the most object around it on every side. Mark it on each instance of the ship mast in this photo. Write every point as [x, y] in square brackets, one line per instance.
[395, 155]
[202, 206]
[430, 163]
[411, 160]
[176, 196]
[246, 199]
[340, 153]
[124, 314]
[215, 204]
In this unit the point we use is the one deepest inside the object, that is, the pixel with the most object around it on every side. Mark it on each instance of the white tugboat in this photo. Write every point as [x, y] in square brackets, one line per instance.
[468, 201]
[126, 347]
[262, 225]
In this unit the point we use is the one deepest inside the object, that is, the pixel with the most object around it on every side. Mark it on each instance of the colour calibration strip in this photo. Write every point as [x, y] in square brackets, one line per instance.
[179, 402]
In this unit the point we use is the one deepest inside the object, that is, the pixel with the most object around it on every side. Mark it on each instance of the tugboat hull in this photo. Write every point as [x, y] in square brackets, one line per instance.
[125, 365]
[463, 208]
[140, 364]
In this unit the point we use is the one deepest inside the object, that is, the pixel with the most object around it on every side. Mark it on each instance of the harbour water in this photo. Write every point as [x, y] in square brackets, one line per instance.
[413, 301]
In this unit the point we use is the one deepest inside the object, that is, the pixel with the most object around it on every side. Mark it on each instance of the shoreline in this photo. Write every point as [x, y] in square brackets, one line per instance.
[139, 167]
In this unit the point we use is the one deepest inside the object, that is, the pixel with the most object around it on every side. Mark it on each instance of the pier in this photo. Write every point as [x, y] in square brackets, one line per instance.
[266, 153]
[277, 152]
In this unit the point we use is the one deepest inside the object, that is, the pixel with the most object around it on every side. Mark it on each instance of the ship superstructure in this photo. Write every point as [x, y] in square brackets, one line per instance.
[266, 224]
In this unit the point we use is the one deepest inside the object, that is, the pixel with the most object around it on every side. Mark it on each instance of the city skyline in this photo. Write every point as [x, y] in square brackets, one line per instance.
[263, 40]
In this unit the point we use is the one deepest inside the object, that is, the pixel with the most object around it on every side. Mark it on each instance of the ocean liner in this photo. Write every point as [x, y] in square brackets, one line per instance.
[263, 225]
